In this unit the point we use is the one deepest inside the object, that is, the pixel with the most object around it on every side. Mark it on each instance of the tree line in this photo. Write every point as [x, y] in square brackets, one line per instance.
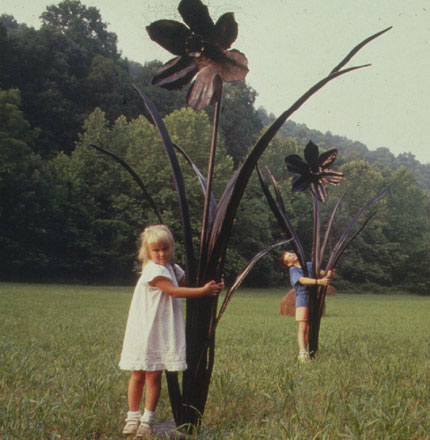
[69, 213]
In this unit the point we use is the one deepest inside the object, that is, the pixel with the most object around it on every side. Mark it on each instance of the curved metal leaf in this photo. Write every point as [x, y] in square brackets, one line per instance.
[179, 183]
[358, 47]
[338, 249]
[201, 178]
[239, 279]
[230, 199]
[348, 242]
[296, 240]
[330, 225]
[280, 219]
[316, 243]
[135, 177]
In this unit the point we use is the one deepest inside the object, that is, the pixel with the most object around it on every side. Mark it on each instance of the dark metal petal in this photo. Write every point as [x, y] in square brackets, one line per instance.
[206, 89]
[169, 34]
[332, 178]
[233, 66]
[175, 74]
[226, 30]
[327, 158]
[331, 172]
[196, 15]
[296, 164]
[311, 156]
[300, 183]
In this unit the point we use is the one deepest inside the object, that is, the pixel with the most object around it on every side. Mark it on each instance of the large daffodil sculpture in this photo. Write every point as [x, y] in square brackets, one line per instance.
[201, 51]
[203, 57]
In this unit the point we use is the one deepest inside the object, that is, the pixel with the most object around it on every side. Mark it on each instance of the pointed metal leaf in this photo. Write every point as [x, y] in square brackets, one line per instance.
[273, 206]
[137, 179]
[357, 48]
[242, 275]
[337, 250]
[330, 225]
[296, 240]
[201, 178]
[179, 184]
[348, 242]
[230, 199]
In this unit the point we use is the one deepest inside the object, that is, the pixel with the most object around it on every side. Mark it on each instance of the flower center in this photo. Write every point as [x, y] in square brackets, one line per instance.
[194, 45]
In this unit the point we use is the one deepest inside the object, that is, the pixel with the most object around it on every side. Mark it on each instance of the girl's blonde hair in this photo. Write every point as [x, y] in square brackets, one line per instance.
[157, 234]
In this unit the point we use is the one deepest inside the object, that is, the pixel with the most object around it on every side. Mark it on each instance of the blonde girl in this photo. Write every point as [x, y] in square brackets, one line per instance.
[155, 333]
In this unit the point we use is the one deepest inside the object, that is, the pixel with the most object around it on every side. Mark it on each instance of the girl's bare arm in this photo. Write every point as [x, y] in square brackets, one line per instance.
[209, 289]
[315, 281]
[329, 274]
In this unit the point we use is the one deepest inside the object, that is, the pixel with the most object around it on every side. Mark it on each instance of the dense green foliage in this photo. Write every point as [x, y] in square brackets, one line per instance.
[69, 213]
[60, 348]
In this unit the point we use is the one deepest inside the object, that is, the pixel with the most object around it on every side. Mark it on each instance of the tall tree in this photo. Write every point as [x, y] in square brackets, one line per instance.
[83, 26]
[18, 164]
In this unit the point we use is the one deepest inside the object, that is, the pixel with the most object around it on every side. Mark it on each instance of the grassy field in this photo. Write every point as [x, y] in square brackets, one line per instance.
[60, 348]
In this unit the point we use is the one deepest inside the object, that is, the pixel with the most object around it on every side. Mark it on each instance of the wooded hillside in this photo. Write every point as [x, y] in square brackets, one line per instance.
[69, 213]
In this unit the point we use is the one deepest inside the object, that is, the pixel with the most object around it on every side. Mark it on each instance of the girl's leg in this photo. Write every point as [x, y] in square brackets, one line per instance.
[152, 393]
[153, 389]
[303, 335]
[135, 390]
[307, 335]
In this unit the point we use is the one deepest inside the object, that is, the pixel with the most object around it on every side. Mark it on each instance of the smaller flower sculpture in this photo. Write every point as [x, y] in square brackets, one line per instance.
[201, 52]
[314, 172]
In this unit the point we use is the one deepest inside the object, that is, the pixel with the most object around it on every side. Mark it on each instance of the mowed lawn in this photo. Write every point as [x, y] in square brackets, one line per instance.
[60, 348]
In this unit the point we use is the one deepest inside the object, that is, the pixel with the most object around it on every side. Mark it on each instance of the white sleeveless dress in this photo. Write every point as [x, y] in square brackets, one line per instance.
[155, 333]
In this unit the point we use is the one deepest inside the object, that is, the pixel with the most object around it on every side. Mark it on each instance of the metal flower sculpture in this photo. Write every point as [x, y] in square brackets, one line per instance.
[314, 172]
[201, 50]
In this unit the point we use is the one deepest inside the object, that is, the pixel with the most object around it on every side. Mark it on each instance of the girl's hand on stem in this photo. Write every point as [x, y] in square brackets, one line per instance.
[221, 285]
[324, 281]
[330, 274]
[212, 288]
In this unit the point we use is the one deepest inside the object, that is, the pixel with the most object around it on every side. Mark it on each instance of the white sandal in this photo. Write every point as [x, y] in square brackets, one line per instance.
[145, 430]
[131, 426]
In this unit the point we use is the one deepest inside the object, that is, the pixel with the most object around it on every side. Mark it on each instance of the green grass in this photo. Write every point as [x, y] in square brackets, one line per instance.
[60, 348]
